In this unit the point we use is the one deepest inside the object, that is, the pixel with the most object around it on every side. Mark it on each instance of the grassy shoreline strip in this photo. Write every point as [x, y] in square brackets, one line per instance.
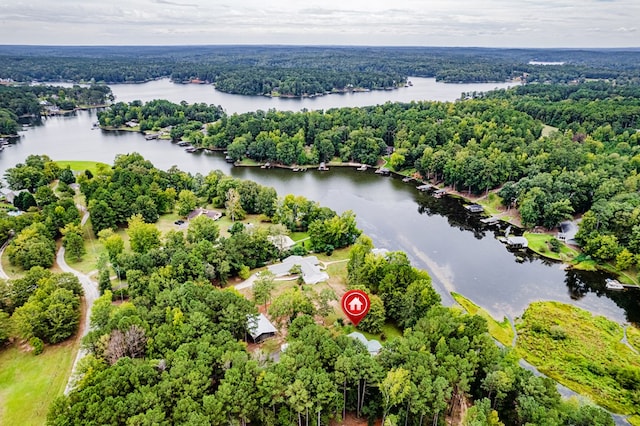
[81, 166]
[583, 352]
[499, 330]
[539, 243]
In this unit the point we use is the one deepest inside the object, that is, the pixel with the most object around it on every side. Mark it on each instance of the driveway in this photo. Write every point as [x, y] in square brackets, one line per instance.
[91, 293]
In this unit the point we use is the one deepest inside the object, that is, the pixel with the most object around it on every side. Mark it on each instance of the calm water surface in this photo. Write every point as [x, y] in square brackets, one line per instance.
[422, 89]
[459, 252]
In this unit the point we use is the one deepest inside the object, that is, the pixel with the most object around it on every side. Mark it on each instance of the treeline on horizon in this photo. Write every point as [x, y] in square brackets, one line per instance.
[300, 71]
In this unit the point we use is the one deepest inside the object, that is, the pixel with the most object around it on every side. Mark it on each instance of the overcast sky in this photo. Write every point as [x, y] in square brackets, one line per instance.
[491, 23]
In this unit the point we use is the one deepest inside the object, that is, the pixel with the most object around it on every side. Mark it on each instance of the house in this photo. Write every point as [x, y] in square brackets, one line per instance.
[282, 242]
[215, 215]
[311, 272]
[568, 231]
[260, 328]
[373, 346]
[10, 195]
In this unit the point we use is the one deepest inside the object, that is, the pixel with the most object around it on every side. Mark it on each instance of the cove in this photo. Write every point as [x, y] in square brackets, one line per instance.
[439, 235]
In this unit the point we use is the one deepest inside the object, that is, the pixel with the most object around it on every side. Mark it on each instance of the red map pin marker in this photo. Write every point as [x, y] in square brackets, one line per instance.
[355, 305]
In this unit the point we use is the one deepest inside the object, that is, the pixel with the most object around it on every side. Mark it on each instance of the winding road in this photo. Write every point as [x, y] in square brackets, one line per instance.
[3, 274]
[91, 293]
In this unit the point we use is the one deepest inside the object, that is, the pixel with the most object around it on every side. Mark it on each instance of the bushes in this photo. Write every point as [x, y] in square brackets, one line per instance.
[37, 345]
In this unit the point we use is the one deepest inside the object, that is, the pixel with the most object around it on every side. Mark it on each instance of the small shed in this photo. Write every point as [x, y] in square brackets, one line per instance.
[517, 242]
[474, 208]
[260, 328]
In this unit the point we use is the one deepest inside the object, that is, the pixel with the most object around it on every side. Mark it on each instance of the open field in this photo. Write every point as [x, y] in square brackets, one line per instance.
[581, 351]
[81, 166]
[29, 383]
[499, 330]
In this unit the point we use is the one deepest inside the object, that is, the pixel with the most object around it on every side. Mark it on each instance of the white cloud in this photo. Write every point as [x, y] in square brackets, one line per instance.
[541, 23]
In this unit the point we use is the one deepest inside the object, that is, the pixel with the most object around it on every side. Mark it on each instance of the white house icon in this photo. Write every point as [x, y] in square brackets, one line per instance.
[355, 304]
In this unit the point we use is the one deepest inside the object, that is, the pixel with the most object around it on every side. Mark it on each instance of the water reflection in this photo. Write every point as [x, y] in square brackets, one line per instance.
[461, 253]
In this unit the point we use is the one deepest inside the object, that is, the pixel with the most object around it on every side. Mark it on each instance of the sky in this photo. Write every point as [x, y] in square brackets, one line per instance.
[483, 23]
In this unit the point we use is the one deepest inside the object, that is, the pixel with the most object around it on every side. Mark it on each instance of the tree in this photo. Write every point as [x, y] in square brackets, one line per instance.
[32, 247]
[394, 389]
[5, 327]
[375, 318]
[67, 176]
[146, 207]
[233, 205]
[24, 200]
[142, 236]
[263, 286]
[104, 281]
[113, 243]
[202, 227]
[481, 414]
[44, 195]
[73, 241]
[102, 216]
[187, 202]
[288, 305]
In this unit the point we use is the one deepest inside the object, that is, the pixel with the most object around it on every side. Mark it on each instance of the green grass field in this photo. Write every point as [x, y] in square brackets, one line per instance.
[492, 203]
[539, 244]
[581, 351]
[29, 383]
[389, 330]
[81, 166]
[499, 330]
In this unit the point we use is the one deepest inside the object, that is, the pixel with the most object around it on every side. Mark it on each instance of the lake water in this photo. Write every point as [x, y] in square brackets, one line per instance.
[422, 89]
[459, 252]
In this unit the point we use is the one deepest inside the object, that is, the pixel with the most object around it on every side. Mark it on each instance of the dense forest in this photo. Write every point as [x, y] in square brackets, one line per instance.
[36, 100]
[589, 165]
[173, 352]
[303, 71]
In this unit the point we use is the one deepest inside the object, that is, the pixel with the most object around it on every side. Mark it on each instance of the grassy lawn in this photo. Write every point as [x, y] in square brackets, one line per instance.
[633, 336]
[9, 269]
[390, 331]
[81, 166]
[539, 243]
[581, 351]
[248, 162]
[29, 383]
[501, 331]
[492, 203]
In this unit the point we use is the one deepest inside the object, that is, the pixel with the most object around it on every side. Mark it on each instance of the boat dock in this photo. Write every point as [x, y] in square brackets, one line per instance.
[490, 220]
[611, 284]
[425, 187]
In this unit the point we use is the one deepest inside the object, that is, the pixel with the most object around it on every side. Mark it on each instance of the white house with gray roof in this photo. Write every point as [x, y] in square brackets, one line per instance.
[310, 267]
